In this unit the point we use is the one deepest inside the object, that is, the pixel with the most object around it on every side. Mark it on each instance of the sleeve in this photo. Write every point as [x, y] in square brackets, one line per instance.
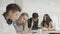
[26, 27]
[0, 28]
[51, 26]
[29, 23]
[12, 30]
[41, 24]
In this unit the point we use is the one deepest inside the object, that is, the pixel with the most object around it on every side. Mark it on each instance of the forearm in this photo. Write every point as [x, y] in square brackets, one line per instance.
[51, 29]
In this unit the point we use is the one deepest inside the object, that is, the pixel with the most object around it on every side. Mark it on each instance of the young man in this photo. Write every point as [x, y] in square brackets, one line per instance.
[6, 20]
[33, 22]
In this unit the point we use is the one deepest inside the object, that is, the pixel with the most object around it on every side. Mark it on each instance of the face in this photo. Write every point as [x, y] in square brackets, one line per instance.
[14, 15]
[35, 19]
[23, 19]
[45, 18]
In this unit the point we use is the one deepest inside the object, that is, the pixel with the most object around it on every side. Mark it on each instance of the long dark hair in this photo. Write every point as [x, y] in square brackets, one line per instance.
[47, 20]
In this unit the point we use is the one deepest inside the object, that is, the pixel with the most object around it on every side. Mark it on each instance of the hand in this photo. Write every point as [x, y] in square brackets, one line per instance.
[45, 29]
[29, 29]
[18, 33]
[51, 29]
[23, 33]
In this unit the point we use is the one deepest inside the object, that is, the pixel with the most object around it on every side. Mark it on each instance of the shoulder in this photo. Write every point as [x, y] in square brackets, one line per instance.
[8, 28]
[2, 19]
[30, 19]
[51, 23]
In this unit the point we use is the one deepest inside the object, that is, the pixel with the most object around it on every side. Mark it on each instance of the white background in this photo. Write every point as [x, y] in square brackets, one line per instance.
[51, 7]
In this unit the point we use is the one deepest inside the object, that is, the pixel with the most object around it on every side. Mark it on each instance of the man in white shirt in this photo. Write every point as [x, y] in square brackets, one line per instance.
[6, 20]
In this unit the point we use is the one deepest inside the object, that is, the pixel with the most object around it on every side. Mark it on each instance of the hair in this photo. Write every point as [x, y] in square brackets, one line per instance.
[47, 21]
[20, 17]
[12, 6]
[24, 14]
[35, 15]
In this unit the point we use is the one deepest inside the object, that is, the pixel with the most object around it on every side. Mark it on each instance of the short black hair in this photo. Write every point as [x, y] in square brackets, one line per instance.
[35, 15]
[12, 6]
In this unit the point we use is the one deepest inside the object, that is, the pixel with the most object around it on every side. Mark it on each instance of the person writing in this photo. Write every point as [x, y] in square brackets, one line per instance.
[21, 24]
[33, 22]
[47, 23]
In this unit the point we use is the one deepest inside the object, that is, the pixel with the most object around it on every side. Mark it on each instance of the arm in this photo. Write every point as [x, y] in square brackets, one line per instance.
[44, 28]
[41, 25]
[51, 26]
[29, 24]
[26, 27]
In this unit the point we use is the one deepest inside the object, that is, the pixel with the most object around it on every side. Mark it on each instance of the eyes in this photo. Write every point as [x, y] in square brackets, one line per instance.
[25, 18]
[16, 13]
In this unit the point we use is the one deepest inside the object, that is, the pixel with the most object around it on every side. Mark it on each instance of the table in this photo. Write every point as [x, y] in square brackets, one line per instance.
[44, 32]
[54, 32]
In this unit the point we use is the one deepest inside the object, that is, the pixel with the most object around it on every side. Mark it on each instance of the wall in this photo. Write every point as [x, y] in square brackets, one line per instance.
[4, 3]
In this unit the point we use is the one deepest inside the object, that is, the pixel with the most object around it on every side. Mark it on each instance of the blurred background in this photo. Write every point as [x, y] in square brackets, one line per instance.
[51, 7]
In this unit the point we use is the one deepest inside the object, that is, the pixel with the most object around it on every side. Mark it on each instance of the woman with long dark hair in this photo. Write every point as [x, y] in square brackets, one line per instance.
[47, 22]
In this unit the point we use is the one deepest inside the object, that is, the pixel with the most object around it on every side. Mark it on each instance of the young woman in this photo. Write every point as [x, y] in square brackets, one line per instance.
[47, 23]
[21, 23]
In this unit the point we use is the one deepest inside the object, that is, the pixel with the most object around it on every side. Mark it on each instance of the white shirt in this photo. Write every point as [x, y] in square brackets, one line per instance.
[32, 24]
[5, 28]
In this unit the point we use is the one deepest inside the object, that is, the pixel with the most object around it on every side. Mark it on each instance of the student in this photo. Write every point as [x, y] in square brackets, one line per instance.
[21, 23]
[33, 22]
[6, 20]
[47, 23]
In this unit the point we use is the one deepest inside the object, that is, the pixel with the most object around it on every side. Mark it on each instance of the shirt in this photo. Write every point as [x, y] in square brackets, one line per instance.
[32, 24]
[19, 28]
[5, 28]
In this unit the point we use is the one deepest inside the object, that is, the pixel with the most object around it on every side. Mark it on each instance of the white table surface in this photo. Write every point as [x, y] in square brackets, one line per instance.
[43, 32]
